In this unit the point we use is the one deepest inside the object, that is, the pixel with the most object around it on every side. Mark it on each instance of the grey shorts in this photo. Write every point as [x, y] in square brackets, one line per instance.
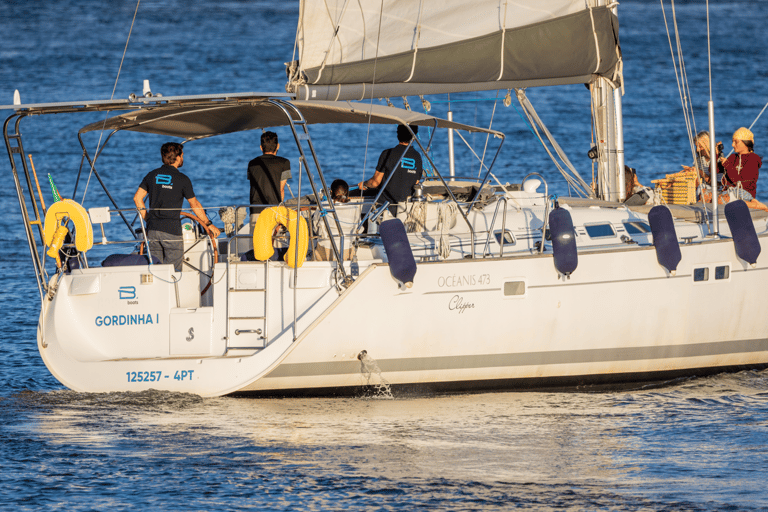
[166, 247]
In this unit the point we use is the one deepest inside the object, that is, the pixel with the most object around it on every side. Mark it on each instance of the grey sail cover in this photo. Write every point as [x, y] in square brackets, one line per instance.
[380, 48]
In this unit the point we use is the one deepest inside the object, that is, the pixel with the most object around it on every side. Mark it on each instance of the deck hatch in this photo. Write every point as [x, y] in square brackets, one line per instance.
[637, 228]
[509, 238]
[601, 230]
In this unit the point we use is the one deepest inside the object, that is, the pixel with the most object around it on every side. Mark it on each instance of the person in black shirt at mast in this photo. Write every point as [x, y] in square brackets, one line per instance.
[406, 174]
[167, 188]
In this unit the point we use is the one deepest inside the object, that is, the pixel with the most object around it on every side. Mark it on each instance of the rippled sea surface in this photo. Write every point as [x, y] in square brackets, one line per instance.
[690, 444]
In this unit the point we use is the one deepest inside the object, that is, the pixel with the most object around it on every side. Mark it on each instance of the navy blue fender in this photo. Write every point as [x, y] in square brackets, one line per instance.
[743, 231]
[402, 264]
[125, 260]
[665, 238]
[563, 241]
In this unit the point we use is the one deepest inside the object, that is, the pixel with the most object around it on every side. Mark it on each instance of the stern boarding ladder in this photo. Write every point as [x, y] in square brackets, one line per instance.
[247, 305]
[247, 292]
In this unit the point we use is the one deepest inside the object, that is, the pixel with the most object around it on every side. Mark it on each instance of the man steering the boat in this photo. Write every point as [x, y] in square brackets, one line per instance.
[167, 188]
[407, 170]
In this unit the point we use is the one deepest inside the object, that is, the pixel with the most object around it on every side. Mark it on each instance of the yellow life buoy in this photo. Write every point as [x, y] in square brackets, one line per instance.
[265, 226]
[56, 219]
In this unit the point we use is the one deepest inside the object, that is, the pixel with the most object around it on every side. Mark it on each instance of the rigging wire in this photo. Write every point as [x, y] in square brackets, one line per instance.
[373, 83]
[709, 55]
[680, 75]
[488, 135]
[114, 88]
[758, 116]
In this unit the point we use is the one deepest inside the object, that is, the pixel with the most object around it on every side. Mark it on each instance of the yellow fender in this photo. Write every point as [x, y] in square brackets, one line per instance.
[265, 226]
[67, 208]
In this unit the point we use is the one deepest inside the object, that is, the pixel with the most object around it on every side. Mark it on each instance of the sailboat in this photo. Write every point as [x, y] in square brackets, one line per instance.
[471, 284]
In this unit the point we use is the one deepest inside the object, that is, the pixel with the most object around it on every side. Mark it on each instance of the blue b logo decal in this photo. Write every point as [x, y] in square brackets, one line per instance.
[408, 163]
[163, 179]
[127, 292]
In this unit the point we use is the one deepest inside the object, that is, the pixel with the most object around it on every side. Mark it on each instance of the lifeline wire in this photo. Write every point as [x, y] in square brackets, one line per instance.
[114, 88]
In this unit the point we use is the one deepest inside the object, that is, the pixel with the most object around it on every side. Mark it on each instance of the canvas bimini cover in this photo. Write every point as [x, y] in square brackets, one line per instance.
[381, 48]
[220, 116]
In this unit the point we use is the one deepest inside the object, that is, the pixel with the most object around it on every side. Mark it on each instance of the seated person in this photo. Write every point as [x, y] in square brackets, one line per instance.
[405, 174]
[340, 191]
[348, 219]
[702, 163]
[702, 153]
[743, 167]
[636, 193]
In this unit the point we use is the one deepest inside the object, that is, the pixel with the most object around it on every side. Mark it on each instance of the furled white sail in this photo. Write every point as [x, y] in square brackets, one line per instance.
[379, 48]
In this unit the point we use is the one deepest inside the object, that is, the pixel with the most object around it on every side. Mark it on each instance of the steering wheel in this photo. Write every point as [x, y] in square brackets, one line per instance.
[212, 239]
[207, 230]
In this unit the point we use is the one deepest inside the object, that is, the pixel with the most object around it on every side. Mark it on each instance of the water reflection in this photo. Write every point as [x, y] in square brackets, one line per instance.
[565, 450]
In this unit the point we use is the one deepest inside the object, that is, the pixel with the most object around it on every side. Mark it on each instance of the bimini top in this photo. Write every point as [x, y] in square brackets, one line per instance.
[209, 118]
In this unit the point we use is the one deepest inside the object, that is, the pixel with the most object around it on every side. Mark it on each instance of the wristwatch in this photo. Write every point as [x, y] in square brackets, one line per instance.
[209, 222]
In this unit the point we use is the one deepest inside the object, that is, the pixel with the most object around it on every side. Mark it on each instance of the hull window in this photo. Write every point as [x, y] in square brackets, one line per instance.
[722, 272]
[701, 274]
[514, 288]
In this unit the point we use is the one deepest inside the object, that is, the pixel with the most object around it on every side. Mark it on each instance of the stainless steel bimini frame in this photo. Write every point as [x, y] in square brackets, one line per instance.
[225, 114]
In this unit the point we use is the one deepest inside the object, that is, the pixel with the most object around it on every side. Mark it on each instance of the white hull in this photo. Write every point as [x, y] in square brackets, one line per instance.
[620, 317]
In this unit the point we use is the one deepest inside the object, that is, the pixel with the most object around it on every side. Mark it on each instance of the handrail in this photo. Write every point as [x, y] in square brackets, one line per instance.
[486, 249]
[39, 265]
[284, 106]
[488, 172]
[450, 193]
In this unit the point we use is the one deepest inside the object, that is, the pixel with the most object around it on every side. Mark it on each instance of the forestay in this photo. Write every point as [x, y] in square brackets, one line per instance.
[381, 48]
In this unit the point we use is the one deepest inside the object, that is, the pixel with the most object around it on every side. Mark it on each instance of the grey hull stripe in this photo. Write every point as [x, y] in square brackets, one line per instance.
[609, 355]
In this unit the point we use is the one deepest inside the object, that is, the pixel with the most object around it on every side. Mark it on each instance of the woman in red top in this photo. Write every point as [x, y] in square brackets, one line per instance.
[744, 165]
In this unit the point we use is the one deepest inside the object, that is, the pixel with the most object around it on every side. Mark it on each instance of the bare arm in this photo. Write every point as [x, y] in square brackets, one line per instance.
[372, 182]
[138, 200]
[197, 208]
[282, 189]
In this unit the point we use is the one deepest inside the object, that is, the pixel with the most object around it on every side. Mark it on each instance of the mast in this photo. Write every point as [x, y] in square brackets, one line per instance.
[609, 132]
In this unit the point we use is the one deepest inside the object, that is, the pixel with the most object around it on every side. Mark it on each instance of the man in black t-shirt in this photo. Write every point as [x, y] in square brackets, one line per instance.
[268, 175]
[406, 174]
[167, 188]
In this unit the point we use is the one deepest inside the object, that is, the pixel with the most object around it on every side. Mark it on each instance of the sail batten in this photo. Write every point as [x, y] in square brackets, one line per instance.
[446, 47]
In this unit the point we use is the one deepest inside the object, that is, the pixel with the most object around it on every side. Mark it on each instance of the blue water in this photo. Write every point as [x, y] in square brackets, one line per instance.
[692, 444]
